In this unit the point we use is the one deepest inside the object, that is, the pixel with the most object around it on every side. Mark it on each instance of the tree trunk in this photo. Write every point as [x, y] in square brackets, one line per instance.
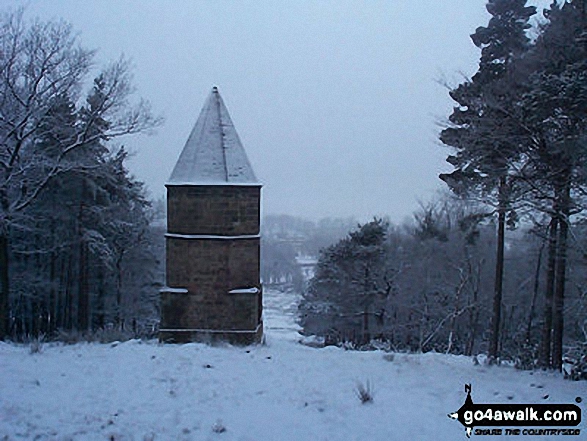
[118, 318]
[83, 306]
[498, 285]
[456, 312]
[4, 288]
[559, 294]
[35, 311]
[100, 318]
[545, 347]
[534, 295]
[474, 314]
[366, 331]
[61, 290]
[52, 304]
[68, 310]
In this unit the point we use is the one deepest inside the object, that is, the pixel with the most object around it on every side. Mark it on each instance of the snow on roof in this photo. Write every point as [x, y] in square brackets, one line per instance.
[213, 153]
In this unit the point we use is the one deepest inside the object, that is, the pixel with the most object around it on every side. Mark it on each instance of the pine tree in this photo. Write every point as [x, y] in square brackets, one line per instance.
[486, 138]
[555, 108]
[350, 286]
[44, 141]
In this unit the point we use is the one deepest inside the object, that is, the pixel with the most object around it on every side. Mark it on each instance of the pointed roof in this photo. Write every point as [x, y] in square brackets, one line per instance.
[213, 153]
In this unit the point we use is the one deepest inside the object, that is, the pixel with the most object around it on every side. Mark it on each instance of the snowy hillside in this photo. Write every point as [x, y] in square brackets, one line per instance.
[278, 391]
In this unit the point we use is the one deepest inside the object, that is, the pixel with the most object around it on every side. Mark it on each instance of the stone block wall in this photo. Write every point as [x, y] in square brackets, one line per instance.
[216, 210]
[209, 269]
[212, 248]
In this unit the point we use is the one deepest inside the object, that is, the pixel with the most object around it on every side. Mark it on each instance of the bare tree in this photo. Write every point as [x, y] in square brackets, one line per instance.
[42, 63]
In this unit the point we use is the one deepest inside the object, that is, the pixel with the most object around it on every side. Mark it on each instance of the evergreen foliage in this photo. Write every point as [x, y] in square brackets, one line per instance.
[519, 138]
[434, 291]
[74, 224]
[350, 286]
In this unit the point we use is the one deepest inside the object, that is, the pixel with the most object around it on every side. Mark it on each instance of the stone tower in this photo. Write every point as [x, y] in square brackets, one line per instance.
[213, 290]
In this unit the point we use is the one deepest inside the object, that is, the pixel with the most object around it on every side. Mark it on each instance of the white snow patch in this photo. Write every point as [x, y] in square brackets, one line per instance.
[214, 331]
[212, 184]
[244, 291]
[278, 391]
[211, 236]
[174, 290]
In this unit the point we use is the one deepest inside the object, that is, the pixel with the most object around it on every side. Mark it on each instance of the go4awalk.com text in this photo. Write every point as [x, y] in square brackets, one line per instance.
[518, 419]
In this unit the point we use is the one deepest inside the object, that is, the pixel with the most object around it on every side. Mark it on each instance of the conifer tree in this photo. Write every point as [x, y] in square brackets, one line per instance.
[350, 286]
[486, 138]
[555, 109]
[42, 70]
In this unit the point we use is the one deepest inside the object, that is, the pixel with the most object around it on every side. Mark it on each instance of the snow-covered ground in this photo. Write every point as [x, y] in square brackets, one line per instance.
[279, 314]
[278, 391]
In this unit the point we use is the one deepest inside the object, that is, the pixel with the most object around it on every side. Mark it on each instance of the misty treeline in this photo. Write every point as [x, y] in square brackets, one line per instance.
[285, 239]
[429, 285]
[518, 150]
[76, 248]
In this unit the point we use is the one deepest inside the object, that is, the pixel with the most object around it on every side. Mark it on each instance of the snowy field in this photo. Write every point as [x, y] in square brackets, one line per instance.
[279, 391]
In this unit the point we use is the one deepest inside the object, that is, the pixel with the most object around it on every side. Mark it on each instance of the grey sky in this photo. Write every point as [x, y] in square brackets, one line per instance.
[336, 102]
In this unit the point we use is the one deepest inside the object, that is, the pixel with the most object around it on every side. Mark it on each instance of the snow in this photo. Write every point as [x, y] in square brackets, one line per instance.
[174, 290]
[214, 331]
[213, 153]
[278, 391]
[212, 184]
[208, 236]
[306, 260]
[244, 291]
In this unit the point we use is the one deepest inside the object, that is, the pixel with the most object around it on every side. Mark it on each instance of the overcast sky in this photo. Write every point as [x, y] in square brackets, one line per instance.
[338, 103]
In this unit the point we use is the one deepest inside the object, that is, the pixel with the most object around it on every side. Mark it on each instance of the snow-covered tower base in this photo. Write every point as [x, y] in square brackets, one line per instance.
[213, 287]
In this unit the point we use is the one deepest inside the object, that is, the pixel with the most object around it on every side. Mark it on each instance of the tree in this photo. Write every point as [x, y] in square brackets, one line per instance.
[554, 107]
[533, 118]
[350, 286]
[487, 140]
[42, 70]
